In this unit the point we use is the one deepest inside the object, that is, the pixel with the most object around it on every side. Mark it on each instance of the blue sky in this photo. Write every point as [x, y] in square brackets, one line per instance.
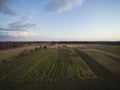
[60, 20]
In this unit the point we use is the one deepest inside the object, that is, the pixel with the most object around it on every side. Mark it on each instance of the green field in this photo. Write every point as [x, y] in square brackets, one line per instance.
[110, 48]
[62, 69]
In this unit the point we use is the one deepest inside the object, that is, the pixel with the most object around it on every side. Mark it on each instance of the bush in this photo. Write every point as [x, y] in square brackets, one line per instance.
[44, 47]
[4, 61]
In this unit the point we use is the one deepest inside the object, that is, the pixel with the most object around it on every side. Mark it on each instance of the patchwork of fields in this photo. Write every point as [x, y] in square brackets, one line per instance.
[64, 68]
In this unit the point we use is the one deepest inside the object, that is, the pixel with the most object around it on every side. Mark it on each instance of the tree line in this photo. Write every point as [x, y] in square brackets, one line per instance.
[6, 45]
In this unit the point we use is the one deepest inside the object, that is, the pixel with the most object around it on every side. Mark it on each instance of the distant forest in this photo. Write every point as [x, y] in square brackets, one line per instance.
[5, 45]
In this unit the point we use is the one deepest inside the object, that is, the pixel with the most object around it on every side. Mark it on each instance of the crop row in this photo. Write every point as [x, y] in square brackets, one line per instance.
[50, 65]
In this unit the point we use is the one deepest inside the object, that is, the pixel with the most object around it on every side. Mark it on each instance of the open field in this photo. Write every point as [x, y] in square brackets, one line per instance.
[69, 67]
[109, 63]
[9, 53]
[109, 48]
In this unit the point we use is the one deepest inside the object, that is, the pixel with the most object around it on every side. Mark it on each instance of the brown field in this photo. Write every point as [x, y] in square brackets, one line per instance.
[55, 46]
[8, 53]
[77, 45]
[100, 57]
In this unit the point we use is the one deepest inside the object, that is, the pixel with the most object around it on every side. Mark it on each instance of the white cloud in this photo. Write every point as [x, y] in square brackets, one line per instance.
[23, 24]
[20, 28]
[59, 6]
[21, 34]
[28, 16]
[4, 8]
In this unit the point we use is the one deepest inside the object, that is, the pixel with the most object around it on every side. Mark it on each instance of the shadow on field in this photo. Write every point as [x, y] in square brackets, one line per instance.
[97, 68]
[103, 74]
[94, 84]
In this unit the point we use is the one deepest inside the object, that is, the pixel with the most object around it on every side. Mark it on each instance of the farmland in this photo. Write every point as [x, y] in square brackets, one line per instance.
[10, 53]
[69, 67]
[110, 48]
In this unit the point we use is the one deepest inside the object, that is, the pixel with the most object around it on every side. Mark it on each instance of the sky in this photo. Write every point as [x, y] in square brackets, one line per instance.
[59, 20]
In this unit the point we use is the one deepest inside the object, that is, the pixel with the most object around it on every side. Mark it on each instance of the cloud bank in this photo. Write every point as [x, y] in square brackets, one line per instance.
[5, 9]
[20, 25]
[21, 34]
[19, 28]
[59, 6]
